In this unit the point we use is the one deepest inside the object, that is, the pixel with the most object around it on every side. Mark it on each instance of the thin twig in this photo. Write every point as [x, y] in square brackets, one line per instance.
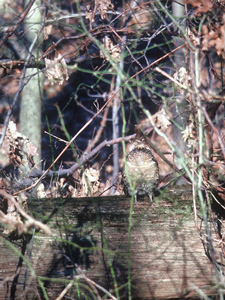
[94, 284]
[68, 172]
[99, 132]
[66, 289]
[56, 137]
[125, 45]
[170, 78]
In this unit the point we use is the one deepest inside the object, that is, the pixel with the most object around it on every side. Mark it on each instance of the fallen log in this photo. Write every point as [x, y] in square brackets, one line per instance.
[102, 248]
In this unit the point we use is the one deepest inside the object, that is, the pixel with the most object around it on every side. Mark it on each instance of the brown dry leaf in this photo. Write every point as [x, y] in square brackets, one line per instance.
[100, 5]
[214, 37]
[41, 192]
[90, 181]
[12, 132]
[17, 141]
[182, 76]
[219, 171]
[4, 153]
[89, 13]
[189, 133]
[203, 6]
[119, 185]
[73, 191]
[193, 36]
[56, 70]
[31, 150]
[105, 188]
[47, 31]
[141, 18]
[220, 45]
[161, 119]
[114, 50]
[12, 219]
[103, 6]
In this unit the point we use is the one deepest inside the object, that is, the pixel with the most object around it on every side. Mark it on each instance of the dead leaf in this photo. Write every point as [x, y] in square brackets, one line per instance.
[193, 36]
[31, 150]
[189, 133]
[47, 31]
[17, 144]
[203, 6]
[89, 13]
[141, 19]
[41, 193]
[161, 119]
[214, 37]
[56, 70]
[90, 181]
[114, 50]
[73, 191]
[182, 76]
[103, 6]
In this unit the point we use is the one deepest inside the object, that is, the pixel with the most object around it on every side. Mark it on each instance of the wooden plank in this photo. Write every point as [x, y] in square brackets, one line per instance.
[161, 253]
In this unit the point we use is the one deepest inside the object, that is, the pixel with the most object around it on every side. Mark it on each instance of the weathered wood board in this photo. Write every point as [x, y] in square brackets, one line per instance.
[158, 255]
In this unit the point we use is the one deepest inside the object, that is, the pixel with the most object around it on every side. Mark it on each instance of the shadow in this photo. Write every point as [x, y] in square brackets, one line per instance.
[17, 278]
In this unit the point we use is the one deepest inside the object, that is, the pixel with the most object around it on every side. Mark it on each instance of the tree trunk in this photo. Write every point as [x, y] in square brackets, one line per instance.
[31, 97]
[180, 103]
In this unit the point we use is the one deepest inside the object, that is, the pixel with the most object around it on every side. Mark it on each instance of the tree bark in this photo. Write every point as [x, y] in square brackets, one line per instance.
[180, 103]
[31, 97]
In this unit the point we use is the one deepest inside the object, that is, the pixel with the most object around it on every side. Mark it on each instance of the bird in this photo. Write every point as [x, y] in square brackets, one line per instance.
[141, 170]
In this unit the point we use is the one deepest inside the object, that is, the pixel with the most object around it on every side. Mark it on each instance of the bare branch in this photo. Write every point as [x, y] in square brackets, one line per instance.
[84, 158]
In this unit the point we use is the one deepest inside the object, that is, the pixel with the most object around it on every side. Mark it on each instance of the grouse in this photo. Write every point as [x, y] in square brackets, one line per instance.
[141, 171]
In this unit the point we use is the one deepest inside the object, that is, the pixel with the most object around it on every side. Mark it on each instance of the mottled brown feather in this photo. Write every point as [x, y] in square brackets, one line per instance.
[141, 170]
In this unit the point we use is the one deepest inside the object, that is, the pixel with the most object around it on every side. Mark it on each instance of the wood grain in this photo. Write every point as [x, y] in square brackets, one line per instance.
[161, 252]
